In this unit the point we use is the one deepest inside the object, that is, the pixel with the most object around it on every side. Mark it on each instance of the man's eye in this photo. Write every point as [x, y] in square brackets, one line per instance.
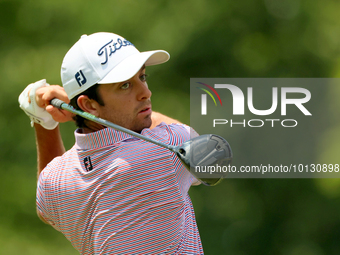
[143, 77]
[125, 85]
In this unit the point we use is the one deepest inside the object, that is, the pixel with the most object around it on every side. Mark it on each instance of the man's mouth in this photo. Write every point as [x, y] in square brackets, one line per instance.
[146, 110]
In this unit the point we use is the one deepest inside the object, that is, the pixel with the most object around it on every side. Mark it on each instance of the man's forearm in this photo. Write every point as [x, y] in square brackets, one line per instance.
[49, 145]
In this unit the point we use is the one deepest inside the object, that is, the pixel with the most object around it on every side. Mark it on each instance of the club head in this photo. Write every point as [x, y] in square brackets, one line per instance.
[206, 157]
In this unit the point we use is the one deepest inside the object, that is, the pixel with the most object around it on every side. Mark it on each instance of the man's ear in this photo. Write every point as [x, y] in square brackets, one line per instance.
[88, 105]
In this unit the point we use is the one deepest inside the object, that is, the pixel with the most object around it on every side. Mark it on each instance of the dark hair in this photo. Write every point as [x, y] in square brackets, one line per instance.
[92, 93]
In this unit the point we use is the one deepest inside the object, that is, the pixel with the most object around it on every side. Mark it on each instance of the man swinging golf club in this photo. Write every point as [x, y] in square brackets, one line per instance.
[111, 193]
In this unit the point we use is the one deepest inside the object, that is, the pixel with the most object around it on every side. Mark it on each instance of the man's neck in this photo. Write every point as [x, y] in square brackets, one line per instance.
[91, 127]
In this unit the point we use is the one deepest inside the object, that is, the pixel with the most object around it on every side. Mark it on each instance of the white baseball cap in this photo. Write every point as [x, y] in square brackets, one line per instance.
[104, 58]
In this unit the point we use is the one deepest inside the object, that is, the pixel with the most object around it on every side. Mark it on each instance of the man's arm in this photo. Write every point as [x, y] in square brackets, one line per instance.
[35, 101]
[49, 145]
[157, 118]
[49, 142]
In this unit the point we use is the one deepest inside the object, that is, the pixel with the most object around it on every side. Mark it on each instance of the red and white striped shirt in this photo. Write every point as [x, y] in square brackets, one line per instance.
[112, 193]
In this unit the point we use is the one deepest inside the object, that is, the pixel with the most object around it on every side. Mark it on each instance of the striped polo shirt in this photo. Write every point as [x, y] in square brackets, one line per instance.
[112, 193]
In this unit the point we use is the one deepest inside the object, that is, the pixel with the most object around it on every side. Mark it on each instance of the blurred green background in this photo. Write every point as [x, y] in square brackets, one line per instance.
[247, 38]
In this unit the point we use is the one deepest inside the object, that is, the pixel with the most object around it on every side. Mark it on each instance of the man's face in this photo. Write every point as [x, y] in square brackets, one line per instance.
[127, 103]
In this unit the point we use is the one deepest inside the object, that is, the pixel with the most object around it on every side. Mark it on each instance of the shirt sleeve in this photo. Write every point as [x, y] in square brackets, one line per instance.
[189, 134]
[175, 134]
[41, 201]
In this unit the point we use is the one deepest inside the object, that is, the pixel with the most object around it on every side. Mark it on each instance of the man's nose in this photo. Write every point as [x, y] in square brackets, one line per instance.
[143, 91]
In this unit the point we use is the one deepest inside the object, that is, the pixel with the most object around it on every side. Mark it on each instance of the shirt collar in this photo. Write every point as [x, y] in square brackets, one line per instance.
[101, 138]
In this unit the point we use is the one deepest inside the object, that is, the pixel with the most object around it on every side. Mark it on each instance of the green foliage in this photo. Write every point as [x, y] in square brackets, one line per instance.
[261, 38]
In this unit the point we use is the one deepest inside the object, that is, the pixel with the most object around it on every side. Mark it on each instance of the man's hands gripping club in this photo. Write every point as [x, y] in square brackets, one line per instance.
[35, 102]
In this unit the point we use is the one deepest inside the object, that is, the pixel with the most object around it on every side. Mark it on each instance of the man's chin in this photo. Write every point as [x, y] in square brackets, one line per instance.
[139, 128]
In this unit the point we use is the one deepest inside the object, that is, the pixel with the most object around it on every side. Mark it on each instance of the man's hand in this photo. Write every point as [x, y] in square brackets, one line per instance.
[35, 102]
[44, 95]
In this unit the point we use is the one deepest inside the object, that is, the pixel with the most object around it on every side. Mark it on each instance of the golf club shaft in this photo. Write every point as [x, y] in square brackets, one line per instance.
[62, 105]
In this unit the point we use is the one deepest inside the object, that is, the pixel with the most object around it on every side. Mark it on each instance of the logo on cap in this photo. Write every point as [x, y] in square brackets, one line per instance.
[113, 47]
[80, 78]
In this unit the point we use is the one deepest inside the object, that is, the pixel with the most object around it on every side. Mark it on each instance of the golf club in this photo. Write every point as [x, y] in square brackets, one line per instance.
[203, 153]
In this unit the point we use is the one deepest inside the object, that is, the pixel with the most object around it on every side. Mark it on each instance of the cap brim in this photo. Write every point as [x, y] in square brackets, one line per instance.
[132, 64]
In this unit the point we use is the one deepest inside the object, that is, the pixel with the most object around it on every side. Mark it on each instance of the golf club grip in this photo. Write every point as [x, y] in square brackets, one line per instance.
[57, 103]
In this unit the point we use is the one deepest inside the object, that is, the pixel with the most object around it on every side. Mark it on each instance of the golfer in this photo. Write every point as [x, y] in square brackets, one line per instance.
[111, 193]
